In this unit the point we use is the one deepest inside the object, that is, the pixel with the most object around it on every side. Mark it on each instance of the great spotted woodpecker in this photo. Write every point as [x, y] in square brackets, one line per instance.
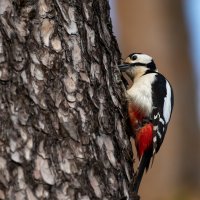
[150, 104]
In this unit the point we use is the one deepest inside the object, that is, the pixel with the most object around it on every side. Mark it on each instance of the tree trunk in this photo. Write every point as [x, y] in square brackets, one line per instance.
[61, 108]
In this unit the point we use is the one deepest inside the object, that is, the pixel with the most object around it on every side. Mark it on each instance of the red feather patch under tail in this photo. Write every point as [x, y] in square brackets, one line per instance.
[144, 139]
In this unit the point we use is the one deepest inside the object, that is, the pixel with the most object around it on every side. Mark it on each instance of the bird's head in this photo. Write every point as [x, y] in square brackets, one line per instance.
[137, 64]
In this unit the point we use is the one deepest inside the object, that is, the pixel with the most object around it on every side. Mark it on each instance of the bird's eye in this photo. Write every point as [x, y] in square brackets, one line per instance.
[133, 57]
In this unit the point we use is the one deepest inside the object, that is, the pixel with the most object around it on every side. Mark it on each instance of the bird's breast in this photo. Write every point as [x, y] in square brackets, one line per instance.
[140, 94]
[135, 116]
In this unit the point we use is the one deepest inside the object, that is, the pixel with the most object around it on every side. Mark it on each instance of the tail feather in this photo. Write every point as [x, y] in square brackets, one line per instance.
[144, 164]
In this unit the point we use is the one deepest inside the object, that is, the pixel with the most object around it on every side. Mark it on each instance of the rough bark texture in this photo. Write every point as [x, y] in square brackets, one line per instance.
[61, 134]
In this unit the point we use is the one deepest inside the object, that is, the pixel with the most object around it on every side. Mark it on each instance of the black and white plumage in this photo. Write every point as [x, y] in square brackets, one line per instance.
[150, 104]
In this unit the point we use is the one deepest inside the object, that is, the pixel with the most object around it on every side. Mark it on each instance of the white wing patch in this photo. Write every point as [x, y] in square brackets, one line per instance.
[167, 103]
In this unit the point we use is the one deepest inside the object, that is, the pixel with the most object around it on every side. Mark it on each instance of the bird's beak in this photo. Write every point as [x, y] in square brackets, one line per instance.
[124, 66]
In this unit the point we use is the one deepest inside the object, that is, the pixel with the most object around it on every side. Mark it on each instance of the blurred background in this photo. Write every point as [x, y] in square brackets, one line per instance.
[169, 31]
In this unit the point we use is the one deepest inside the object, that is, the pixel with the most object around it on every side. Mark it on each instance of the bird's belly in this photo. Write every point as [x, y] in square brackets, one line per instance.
[136, 115]
[142, 129]
[140, 98]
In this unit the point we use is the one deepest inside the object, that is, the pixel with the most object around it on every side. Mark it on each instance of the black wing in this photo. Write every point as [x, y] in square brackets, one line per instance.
[163, 100]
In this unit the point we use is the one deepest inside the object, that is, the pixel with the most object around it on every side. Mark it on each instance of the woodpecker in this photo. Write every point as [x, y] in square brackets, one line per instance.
[150, 102]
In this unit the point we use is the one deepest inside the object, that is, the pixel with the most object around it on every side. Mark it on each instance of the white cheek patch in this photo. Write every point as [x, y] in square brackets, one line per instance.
[143, 58]
[167, 103]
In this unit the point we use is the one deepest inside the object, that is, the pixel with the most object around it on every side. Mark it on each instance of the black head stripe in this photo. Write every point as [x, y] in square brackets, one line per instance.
[138, 64]
[151, 65]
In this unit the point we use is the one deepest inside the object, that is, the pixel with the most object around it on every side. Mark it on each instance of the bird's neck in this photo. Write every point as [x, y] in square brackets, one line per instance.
[138, 72]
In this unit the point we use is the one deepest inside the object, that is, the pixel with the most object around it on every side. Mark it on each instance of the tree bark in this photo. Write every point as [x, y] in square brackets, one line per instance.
[61, 103]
